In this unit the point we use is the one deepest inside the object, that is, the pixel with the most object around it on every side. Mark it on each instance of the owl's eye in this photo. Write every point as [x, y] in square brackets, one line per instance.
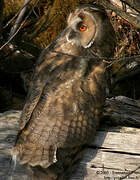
[83, 27]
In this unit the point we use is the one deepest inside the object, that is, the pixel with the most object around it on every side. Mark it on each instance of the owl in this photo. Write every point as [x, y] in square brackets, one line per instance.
[64, 103]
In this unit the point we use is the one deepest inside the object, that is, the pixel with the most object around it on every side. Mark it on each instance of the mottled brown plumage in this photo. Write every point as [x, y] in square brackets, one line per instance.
[65, 101]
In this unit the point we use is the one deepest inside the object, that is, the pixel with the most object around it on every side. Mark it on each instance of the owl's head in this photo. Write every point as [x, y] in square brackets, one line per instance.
[89, 27]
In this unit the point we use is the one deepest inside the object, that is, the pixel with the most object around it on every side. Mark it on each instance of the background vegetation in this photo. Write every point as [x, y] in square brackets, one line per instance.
[28, 26]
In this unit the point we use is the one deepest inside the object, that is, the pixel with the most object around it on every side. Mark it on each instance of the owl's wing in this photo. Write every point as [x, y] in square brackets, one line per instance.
[63, 110]
[34, 92]
[31, 102]
[29, 148]
[36, 141]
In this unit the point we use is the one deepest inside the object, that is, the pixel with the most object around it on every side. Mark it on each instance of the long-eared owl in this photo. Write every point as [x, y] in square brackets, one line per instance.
[65, 101]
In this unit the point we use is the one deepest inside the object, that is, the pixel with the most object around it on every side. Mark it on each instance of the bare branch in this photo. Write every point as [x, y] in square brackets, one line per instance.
[125, 15]
[133, 3]
[19, 19]
[18, 12]
[125, 59]
[19, 26]
[41, 23]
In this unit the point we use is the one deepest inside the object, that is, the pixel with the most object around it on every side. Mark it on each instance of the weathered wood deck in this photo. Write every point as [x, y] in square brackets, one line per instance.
[113, 155]
[117, 156]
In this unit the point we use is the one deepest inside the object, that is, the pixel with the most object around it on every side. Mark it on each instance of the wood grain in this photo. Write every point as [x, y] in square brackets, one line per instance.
[114, 153]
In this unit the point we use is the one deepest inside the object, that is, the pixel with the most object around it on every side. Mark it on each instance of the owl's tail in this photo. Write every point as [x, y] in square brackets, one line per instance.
[34, 154]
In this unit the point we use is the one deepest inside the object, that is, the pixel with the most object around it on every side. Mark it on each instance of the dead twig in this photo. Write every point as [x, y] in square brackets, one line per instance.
[19, 19]
[21, 25]
[9, 22]
[133, 4]
[125, 59]
[125, 15]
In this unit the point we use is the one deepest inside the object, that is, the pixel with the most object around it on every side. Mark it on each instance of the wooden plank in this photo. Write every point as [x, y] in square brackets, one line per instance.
[117, 149]
[111, 160]
[9, 123]
[117, 155]
[119, 141]
[123, 111]
[103, 173]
